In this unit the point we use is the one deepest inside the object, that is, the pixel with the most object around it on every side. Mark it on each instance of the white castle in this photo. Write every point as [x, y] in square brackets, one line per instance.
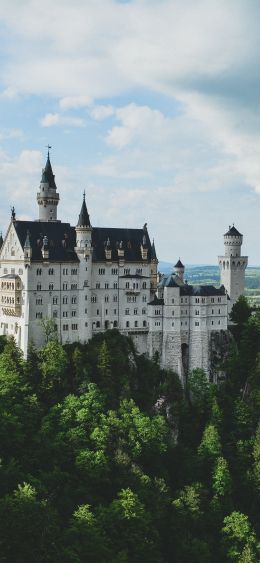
[90, 279]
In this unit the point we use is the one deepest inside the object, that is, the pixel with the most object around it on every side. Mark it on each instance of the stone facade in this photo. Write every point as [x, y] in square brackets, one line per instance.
[90, 279]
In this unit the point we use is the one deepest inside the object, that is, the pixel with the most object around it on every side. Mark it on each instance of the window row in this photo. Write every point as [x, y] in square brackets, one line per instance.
[65, 271]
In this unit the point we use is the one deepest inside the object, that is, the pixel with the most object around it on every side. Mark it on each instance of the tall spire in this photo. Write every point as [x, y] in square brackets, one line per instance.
[83, 216]
[47, 173]
[153, 252]
[47, 196]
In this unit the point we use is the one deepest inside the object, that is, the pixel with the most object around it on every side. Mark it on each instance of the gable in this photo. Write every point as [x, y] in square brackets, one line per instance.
[11, 248]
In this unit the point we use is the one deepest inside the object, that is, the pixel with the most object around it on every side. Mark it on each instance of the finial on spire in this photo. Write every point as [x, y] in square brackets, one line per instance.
[84, 196]
[13, 213]
[48, 147]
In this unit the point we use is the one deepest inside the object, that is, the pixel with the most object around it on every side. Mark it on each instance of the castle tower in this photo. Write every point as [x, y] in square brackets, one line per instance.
[154, 264]
[47, 197]
[83, 228]
[232, 266]
[179, 269]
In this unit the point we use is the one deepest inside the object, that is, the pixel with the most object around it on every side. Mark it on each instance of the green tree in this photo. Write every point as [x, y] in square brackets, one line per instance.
[210, 446]
[241, 311]
[50, 329]
[29, 527]
[221, 478]
[240, 539]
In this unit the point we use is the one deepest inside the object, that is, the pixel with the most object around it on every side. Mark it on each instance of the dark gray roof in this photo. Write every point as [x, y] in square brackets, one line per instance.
[232, 232]
[61, 239]
[202, 290]
[47, 174]
[170, 281]
[130, 240]
[83, 216]
[156, 301]
[179, 264]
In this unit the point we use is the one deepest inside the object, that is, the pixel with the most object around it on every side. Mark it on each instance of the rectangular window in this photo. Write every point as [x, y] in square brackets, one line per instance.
[64, 286]
[126, 271]
[65, 313]
[55, 300]
[197, 323]
[101, 271]
[38, 315]
[97, 312]
[51, 286]
[74, 299]
[127, 312]
[65, 327]
[115, 298]
[135, 311]
[114, 271]
[115, 311]
[74, 286]
[74, 271]
[73, 313]
[65, 300]
[65, 271]
[74, 327]
[106, 285]
[55, 314]
[136, 323]
[98, 285]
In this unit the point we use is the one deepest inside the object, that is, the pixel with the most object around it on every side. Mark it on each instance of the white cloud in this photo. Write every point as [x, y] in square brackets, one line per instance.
[74, 102]
[10, 134]
[102, 112]
[51, 119]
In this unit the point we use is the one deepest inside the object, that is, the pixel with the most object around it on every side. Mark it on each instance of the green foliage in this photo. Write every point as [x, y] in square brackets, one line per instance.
[241, 311]
[210, 446]
[104, 458]
[221, 478]
[240, 539]
[49, 328]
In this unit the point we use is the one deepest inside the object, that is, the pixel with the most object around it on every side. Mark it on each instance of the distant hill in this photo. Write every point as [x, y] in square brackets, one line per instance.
[201, 274]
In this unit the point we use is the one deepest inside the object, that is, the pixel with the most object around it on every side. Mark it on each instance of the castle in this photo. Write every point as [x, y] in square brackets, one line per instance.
[89, 279]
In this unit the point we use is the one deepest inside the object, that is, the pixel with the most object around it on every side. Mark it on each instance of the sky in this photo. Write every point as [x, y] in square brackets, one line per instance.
[150, 106]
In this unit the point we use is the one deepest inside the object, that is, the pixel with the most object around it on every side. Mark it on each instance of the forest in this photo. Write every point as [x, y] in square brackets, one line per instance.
[105, 458]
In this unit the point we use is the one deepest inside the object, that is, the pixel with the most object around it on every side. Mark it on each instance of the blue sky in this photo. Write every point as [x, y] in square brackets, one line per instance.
[151, 106]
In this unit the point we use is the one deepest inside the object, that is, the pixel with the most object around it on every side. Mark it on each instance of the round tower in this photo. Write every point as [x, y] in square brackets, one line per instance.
[83, 228]
[179, 269]
[47, 197]
[232, 266]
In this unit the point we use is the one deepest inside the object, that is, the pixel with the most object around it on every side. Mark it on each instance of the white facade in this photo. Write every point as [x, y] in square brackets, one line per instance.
[91, 279]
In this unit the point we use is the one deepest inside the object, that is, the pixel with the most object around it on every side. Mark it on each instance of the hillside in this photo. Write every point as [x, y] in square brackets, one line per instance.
[104, 458]
[197, 275]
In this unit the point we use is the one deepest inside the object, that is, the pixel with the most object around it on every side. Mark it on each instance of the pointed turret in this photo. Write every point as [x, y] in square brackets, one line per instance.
[47, 197]
[153, 252]
[83, 229]
[179, 269]
[83, 216]
[27, 247]
[47, 174]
